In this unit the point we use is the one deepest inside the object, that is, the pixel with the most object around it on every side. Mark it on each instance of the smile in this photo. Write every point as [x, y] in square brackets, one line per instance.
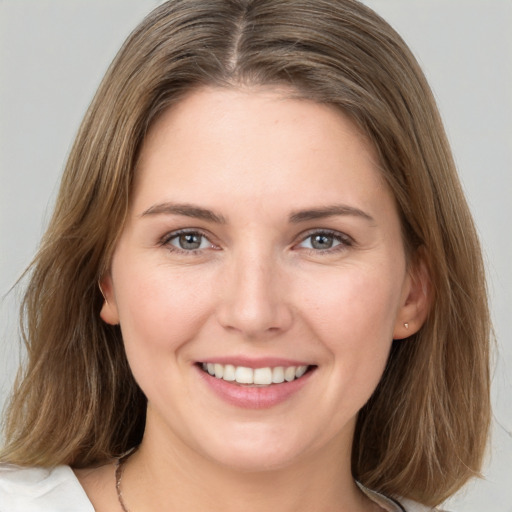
[265, 376]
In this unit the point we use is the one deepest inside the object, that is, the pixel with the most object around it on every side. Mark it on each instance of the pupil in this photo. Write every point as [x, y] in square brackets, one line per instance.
[190, 241]
[322, 242]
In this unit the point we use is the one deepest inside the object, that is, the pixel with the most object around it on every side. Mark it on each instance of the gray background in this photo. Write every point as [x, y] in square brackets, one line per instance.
[53, 54]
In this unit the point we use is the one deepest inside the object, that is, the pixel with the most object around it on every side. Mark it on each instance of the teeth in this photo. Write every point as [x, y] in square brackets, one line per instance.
[219, 371]
[263, 376]
[229, 373]
[244, 375]
[257, 376]
[278, 375]
[289, 373]
[299, 372]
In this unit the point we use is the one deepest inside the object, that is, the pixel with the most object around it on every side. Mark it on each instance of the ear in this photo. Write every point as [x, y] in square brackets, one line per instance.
[416, 300]
[108, 313]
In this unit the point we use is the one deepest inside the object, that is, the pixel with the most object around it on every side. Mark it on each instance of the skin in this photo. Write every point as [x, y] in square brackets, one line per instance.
[256, 287]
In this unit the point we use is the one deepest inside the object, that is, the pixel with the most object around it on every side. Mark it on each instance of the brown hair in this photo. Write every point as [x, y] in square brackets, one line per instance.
[423, 432]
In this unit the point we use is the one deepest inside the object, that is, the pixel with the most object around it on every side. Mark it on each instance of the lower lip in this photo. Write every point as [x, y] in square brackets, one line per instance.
[249, 397]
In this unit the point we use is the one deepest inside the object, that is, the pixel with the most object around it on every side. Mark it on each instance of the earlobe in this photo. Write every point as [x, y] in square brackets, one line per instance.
[108, 311]
[416, 301]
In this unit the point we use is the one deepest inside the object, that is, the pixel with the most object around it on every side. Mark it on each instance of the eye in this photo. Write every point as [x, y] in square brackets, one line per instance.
[187, 241]
[325, 241]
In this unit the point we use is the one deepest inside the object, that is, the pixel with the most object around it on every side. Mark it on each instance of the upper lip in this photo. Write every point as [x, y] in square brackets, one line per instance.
[259, 362]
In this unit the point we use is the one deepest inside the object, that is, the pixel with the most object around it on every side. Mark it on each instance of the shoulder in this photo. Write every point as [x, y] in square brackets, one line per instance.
[412, 506]
[396, 505]
[41, 490]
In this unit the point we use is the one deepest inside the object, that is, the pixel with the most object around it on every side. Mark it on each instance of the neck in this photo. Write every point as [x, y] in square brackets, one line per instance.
[164, 477]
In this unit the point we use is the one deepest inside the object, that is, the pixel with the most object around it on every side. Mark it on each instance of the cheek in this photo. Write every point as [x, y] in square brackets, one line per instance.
[160, 310]
[353, 315]
[354, 321]
[355, 300]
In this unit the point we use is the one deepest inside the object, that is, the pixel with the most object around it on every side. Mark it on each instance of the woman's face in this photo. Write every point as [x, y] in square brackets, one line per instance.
[261, 245]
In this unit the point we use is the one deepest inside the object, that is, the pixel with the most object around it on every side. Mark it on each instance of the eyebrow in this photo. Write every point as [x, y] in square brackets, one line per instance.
[185, 209]
[329, 211]
[198, 212]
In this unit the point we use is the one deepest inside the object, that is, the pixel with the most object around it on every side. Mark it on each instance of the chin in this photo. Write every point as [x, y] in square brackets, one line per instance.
[257, 451]
[251, 461]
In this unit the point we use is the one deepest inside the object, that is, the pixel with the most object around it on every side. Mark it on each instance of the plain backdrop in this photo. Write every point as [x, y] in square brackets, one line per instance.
[53, 54]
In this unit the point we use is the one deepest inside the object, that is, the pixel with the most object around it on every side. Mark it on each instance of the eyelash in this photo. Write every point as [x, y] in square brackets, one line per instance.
[344, 240]
[166, 241]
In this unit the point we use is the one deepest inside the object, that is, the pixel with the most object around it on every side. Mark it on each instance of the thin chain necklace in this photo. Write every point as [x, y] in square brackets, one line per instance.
[119, 474]
[119, 465]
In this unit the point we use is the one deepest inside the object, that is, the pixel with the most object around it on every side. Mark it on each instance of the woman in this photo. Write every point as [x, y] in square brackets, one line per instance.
[261, 277]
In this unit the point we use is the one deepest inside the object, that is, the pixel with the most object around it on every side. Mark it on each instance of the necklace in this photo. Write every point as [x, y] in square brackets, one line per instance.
[119, 465]
[119, 474]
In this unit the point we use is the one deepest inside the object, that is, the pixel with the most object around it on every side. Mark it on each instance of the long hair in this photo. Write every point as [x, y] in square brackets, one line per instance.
[424, 430]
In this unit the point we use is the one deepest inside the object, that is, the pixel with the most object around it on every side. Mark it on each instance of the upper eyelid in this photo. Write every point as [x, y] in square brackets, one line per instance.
[185, 231]
[332, 232]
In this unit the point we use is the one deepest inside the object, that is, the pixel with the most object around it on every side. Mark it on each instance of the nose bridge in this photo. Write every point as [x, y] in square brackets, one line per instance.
[254, 299]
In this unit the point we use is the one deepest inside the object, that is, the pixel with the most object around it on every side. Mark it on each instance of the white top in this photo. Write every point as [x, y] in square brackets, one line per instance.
[58, 490]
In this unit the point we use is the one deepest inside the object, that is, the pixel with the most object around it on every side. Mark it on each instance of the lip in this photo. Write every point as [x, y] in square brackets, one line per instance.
[254, 397]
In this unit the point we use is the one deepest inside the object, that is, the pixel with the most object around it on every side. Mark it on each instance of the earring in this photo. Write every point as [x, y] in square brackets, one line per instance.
[102, 292]
[406, 325]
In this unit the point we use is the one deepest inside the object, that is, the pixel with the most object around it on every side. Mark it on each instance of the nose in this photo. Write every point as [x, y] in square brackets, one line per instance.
[253, 298]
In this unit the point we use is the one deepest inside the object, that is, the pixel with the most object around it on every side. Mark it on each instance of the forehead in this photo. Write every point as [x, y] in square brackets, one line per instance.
[255, 143]
[250, 106]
